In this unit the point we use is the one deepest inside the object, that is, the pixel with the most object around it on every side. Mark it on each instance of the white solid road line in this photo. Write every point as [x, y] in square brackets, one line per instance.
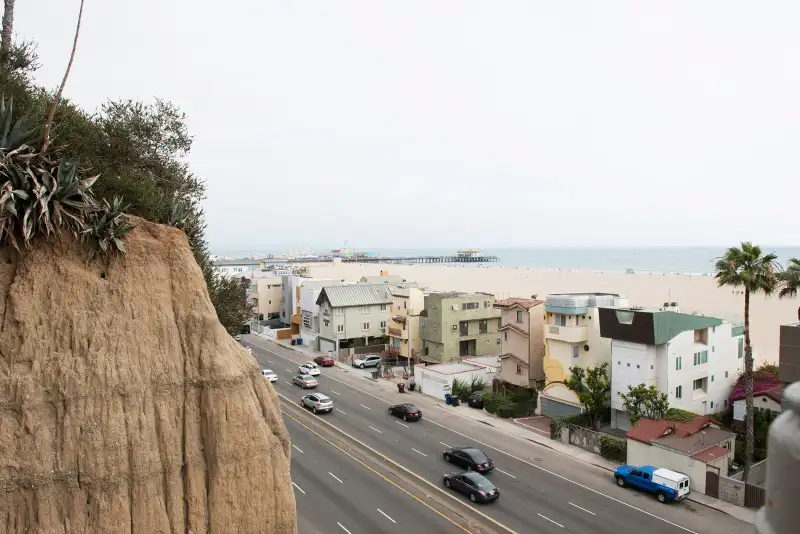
[338, 410]
[342, 527]
[401, 424]
[337, 478]
[415, 450]
[335, 393]
[445, 444]
[298, 448]
[544, 517]
[509, 474]
[584, 509]
[386, 516]
[367, 407]
[376, 430]
[540, 468]
[298, 488]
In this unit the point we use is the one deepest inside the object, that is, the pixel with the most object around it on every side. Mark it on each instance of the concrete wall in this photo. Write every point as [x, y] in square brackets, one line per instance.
[438, 335]
[352, 320]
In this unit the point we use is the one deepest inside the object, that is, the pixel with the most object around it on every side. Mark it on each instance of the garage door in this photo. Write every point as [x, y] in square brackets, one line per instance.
[557, 410]
[326, 346]
[433, 385]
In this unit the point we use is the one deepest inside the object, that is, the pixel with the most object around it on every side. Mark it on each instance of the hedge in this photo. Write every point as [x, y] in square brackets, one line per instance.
[613, 449]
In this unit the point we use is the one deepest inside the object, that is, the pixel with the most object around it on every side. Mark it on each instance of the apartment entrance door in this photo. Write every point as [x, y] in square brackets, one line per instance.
[466, 347]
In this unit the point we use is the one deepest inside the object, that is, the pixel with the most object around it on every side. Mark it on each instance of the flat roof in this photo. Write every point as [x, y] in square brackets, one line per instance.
[451, 368]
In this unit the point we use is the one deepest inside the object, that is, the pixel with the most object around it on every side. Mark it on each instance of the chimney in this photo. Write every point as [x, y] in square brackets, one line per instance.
[703, 437]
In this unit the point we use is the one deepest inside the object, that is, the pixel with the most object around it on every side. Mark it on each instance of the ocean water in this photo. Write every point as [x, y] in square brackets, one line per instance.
[688, 260]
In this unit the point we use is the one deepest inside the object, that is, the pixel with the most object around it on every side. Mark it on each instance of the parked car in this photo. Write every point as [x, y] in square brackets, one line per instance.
[476, 400]
[269, 374]
[318, 403]
[324, 361]
[308, 369]
[367, 361]
[474, 485]
[305, 381]
[665, 484]
[408, 412]
[469, 458]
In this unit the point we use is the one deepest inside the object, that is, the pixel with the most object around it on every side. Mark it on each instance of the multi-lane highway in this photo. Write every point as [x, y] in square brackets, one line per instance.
[338, 491]
[545, 493]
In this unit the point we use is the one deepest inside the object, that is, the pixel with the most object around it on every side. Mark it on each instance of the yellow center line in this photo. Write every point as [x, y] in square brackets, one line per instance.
[431, 508]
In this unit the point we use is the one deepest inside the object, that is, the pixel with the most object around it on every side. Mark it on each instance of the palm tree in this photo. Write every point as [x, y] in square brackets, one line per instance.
[8, 26]
[747, 268]
[790, 281]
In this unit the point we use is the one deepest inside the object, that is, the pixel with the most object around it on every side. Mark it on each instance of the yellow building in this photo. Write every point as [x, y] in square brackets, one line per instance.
[407, 302]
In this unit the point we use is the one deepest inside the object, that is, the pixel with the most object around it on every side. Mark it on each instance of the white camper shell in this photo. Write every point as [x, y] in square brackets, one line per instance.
[672, 479]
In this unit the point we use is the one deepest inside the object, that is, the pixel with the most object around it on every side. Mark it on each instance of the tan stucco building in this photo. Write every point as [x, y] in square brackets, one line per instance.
[522, 341]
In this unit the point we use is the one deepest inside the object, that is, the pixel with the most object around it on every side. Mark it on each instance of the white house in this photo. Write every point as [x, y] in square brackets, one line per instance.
[768, 399]
[437, 380]
[355, 314]
[309, 309]
[691, 448]
[695, 359]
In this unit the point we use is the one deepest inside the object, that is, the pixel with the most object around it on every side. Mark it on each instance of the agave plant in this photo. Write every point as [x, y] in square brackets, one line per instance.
[106, 229]
[41, 194]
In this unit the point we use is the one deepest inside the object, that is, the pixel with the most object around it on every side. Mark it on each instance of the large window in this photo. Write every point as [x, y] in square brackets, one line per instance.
[576, 351]
[698, 384]
[483, 326]
[701, 357]
[469, 306]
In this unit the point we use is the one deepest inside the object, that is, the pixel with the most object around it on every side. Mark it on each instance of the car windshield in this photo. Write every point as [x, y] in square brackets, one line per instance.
[479, 481]
[411, 408]
[306, 377]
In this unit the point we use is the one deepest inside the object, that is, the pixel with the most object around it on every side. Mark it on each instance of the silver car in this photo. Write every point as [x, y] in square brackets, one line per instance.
[305, 381]
[318, 403]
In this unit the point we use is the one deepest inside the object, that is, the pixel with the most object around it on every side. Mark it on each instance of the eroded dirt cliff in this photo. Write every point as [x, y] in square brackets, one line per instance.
[124, 404]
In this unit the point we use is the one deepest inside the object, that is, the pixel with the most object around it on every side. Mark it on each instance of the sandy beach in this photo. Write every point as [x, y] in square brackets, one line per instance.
[692, 293]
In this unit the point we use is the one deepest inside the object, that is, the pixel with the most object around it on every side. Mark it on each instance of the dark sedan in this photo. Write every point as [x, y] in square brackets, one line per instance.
[408, 412]
[476, 400]
[469, 458]
[474, 485]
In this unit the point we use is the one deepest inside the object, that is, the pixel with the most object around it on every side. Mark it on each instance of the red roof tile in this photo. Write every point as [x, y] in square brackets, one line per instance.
[516, 301]
[711, 454]
[648, 430]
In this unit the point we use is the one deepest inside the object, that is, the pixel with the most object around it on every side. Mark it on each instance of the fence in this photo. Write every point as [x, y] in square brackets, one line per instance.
[758, 473]
[734, 491]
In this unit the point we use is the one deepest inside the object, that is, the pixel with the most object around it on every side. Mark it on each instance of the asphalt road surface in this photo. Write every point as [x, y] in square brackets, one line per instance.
[545, 495]
[337, 492]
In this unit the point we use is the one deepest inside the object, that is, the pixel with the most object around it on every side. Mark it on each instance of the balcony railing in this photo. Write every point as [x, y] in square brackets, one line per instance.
[569, 334]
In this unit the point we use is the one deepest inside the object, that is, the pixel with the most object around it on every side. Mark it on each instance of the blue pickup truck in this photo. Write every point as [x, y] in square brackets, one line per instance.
[667, 485]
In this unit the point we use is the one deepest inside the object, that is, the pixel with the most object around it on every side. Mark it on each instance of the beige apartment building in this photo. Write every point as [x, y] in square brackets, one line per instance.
[455, 325]
[268, 291]
[407, 303]
[522, 342]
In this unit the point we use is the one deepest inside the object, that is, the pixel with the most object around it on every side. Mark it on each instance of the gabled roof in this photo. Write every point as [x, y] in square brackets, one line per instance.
[649, 430]
[515, 328]
[773, 390]
[691, 439]
[356, 295]
[510, 356]
[516, 302]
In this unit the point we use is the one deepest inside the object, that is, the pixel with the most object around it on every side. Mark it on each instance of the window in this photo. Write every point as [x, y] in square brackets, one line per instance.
[364, 309]
[519, 316]
[426, 351]
[679, 392]
[383, 324]
[576, 351]
[628, 365]
[366, 326]
[339, 328]
[701, 357]
[383, 307]
[712, 405]
[712, 378]
[485, 303]
[637, 366]
[327, 322]
[404, 305]
[725, 404]
[505, 336]
[741, 348]
[483, 326]
[519, 369]
[469, 306]
[498, 340]
[713, 348]
[697, 384]
[726, 374]
[646, 476]
[338, 311]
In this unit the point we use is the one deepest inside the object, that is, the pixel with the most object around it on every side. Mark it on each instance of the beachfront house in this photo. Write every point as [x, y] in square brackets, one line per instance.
[522, 341]
[356, 315]
[693, 448]
[267, 298]
[695, 359]
[407, 303]
[455, 325]
[309, 310]
[572, 339]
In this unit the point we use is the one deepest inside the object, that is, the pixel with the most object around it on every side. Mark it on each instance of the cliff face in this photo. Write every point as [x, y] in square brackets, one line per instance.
[124, 404]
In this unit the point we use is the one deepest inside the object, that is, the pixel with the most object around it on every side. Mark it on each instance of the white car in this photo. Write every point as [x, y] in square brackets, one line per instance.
[308, 369]
[367, 361]
[269, 374]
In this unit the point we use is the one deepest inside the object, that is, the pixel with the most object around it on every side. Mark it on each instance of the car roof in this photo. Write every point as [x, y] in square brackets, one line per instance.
[409, 405]
[268, 371]
[477, 477]
[306, 377]
[320, 396]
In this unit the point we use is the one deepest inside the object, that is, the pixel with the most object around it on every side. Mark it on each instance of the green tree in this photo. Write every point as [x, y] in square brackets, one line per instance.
[748, 268]
[593, 388]
[228, 294]
[642, 401]
[790, 281]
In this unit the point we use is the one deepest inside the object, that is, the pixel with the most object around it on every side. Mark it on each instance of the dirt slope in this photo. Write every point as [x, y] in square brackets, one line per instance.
[124, 404]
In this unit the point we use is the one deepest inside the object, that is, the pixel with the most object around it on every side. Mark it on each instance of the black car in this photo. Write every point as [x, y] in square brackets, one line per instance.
[469, 458]
[408, 412]
[476, 400]
[476, 486]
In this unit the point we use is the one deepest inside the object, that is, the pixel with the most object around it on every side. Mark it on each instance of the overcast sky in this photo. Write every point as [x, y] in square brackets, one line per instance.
[460, 123]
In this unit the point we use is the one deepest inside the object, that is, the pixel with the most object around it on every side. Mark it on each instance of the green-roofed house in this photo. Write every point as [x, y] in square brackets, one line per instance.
[695, 359]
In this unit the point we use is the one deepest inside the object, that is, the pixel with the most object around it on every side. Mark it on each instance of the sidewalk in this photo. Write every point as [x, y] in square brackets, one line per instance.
[511, 427]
